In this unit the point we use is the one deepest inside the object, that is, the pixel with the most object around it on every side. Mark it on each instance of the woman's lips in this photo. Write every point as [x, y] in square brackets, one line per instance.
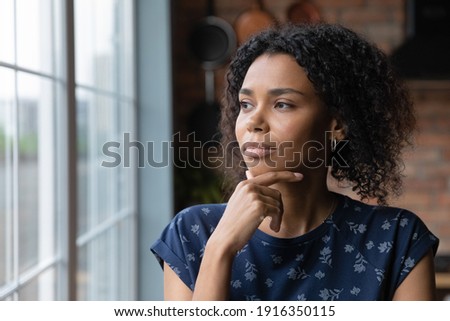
[257, 150]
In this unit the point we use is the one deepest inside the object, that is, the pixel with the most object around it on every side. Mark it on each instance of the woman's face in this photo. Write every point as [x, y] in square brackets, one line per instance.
[282, 123]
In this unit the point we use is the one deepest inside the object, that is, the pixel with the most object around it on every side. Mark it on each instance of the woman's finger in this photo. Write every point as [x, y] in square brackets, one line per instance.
[271, 178]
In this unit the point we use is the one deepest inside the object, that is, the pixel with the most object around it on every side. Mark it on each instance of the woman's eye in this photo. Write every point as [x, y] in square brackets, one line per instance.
[282, 105]
[245, 105]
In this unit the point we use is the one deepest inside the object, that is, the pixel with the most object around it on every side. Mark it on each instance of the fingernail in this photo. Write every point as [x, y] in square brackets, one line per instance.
[299, 175]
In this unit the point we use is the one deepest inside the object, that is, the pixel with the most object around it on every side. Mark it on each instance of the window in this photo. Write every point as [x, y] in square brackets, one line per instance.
[34, 156]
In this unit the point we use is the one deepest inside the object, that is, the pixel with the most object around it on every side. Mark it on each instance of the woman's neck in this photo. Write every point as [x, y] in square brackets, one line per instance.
[306, 205]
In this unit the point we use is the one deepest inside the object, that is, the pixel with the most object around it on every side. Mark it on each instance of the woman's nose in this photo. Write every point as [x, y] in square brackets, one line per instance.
[257, 121]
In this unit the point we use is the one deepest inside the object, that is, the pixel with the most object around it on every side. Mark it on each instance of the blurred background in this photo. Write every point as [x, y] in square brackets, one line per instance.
[98, 103]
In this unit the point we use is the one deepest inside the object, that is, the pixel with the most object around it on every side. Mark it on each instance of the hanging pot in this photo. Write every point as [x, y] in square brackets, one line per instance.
[252, 21]
[212, 40]
[303, 11]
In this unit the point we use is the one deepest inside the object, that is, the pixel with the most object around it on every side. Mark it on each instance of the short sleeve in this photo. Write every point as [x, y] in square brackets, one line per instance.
[171, 248]
[414, 241]
[182, 243]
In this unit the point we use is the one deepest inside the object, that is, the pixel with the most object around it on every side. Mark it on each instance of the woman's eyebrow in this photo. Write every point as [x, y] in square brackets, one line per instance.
[273, 92]
[281, 91]
[246, 91]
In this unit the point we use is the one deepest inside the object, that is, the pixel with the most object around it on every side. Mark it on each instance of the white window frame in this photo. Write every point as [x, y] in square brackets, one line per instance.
[60, 196]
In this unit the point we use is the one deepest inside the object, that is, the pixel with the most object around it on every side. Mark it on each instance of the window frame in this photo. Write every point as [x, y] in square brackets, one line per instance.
[65, 198]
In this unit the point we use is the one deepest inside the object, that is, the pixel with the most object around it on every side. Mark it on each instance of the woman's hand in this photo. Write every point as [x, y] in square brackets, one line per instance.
[252, 201]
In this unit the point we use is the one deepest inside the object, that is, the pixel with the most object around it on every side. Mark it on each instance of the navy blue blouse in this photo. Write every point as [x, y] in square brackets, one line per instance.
[361, 252]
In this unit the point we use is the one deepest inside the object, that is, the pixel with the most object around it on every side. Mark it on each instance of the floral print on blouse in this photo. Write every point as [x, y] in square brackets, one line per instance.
[360, 252]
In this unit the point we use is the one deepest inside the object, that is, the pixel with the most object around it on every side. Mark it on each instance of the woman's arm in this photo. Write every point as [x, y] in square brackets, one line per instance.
[420, 283]
[174, 288]
[212, 283]
[250, 203]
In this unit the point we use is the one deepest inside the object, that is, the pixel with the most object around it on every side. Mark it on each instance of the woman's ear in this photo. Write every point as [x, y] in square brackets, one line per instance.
[338, 129]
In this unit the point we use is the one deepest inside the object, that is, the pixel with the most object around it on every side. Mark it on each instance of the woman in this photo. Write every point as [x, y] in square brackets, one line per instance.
[303, 101]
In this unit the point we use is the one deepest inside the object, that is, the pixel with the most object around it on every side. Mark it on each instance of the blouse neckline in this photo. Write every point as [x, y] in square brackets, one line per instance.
[309, 236]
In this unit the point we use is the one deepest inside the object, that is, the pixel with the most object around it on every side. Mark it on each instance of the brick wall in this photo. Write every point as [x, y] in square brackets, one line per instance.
[427, 182]
[427, 185]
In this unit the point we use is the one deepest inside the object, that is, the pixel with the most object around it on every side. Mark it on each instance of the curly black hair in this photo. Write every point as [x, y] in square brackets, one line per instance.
[360, 89]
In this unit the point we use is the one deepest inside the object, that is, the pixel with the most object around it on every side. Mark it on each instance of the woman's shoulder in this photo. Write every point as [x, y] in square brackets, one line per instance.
[196, 216]
[383, 223]
[193, 225]
[201, 210]
[374, 213]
